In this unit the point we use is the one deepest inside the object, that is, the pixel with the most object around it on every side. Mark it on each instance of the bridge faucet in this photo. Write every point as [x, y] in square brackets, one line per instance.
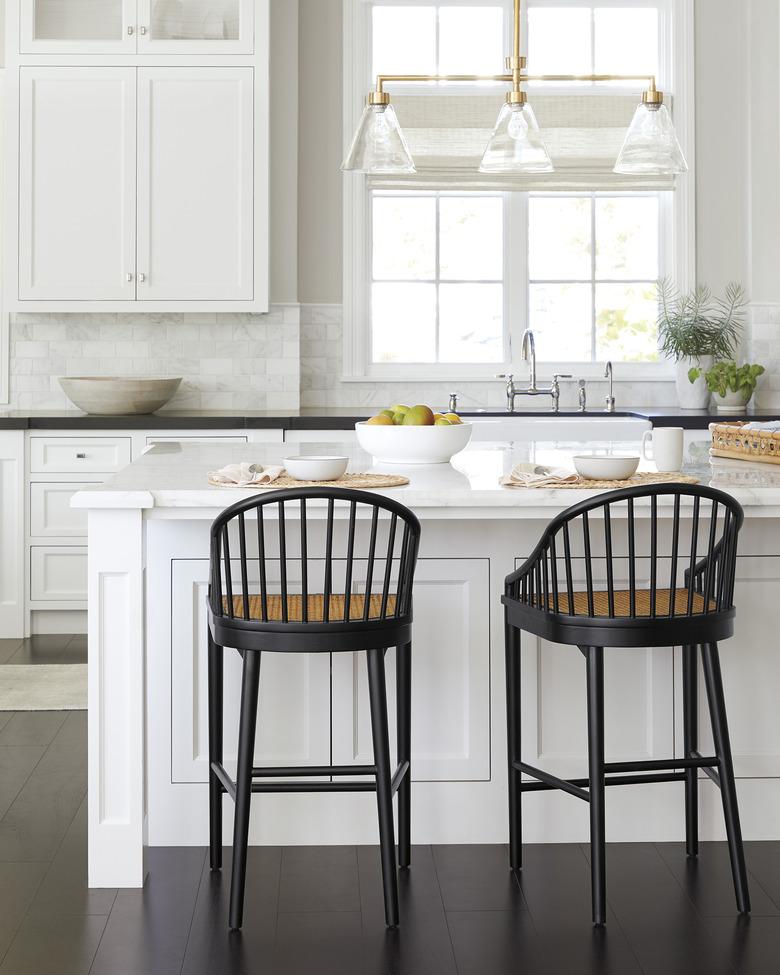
[610, 397]
[528, 354]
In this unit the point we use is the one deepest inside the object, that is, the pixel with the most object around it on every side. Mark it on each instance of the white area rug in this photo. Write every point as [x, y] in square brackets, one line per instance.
[43, 687]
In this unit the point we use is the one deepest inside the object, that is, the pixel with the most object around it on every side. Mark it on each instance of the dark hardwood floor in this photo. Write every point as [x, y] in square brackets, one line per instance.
[319, 910]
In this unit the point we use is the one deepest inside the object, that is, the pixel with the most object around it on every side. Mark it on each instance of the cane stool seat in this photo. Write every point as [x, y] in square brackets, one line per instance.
[620, 605]
[275, 606]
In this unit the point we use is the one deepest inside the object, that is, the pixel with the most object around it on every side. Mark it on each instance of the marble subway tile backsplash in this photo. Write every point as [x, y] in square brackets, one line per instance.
[227, 361]
[764, 348]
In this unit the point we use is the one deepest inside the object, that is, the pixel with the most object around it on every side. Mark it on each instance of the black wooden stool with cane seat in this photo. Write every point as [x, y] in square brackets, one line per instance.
[314, 570]
[673, 549]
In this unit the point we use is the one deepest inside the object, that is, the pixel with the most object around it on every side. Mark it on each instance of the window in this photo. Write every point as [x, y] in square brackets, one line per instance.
[444, 276]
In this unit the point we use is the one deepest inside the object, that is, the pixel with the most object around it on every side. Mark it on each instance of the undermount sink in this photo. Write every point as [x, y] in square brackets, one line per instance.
[569, 427]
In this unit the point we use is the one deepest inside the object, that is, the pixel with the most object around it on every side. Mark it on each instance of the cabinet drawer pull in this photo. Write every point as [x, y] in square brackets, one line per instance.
[130, 30]
[142, 30]
[142, 278]
[81, 456]
[129, 277]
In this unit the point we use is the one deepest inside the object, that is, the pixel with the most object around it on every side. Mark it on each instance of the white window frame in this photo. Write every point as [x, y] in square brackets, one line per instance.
[678, 222]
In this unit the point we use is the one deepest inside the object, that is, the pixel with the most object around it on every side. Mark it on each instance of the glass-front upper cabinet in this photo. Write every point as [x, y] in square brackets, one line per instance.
[137, 26]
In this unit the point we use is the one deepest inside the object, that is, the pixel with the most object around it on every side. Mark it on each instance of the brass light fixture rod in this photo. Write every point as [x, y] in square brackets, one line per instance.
[515, 64]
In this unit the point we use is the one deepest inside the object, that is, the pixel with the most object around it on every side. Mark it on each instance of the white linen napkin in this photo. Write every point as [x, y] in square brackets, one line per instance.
[534, 476]
[770, 426]
[245, 475]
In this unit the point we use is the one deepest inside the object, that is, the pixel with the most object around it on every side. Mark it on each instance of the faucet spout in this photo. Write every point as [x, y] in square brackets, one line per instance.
[528, 354]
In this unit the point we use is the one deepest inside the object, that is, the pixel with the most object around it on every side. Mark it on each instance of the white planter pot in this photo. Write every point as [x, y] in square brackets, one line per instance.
[731, 402]
[692, 396]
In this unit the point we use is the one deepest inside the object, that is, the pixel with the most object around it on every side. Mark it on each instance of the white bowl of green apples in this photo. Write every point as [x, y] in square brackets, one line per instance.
[413, 435]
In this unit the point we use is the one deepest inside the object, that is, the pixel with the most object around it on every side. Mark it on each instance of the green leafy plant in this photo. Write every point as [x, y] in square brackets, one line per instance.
[725, 377]
[698, 324]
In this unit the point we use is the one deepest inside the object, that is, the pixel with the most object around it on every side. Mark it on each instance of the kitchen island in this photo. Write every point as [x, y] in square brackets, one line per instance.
[148, 577]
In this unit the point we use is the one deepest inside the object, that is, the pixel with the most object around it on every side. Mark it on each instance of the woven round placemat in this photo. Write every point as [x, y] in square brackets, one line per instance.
[355, 481]
[634, 481]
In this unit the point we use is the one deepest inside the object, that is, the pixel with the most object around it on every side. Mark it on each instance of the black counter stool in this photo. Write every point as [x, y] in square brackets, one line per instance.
[680, 574]
[334, 571]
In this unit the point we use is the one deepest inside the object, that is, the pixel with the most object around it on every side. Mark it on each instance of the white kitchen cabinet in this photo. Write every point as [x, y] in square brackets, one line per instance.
[76, 26]
[142, 26]
[195, 26]
[77, 149]
[195, 184]
[58, 574]
[450, 663]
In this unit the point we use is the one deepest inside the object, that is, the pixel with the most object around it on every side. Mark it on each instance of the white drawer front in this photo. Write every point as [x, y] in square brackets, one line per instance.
[200, 439]
[51, 515]
[82, 455]
[58, 574]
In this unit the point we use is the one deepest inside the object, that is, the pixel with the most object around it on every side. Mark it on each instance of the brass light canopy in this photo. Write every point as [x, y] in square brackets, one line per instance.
[516, 145]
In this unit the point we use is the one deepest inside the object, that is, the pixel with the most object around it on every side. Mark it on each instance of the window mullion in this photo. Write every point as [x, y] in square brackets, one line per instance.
[593, 278]
[437, 269]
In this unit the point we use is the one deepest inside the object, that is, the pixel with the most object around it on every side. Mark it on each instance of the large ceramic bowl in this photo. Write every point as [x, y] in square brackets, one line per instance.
[115, 396]
[413, 445]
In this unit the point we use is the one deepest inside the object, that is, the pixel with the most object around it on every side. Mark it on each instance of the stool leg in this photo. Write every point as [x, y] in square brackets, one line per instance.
[728, 790]
[216, 655]
[246, 743]
[598, 877]
[377, 691]
[512, 645]
[403, 673]
[690, 745]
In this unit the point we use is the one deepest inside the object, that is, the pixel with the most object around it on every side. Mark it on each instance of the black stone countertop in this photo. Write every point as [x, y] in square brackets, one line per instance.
[319, 419]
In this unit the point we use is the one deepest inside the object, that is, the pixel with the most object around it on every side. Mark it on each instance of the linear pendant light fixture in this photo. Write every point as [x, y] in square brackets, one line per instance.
[516, 145]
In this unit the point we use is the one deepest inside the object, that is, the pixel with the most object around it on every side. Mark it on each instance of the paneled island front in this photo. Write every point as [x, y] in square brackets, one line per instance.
[148, 744]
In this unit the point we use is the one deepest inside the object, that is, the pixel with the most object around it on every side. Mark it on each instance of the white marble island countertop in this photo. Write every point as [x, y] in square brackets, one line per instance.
[174, 475]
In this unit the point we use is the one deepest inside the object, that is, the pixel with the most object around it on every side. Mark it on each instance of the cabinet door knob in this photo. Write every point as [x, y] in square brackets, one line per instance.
[131, 30]
[142, 278]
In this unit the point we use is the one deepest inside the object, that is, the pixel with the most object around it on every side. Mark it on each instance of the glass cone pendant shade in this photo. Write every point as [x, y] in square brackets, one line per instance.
[651, 147]
[379, 145]
[516, 145]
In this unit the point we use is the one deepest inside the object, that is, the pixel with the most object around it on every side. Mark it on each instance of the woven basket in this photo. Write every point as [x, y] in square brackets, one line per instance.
[734, 441]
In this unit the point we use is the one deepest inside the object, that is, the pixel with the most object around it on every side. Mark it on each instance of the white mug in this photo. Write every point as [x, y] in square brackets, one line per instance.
[667, 447]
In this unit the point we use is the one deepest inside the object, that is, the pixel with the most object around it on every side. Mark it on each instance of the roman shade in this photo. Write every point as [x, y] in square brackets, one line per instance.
[447, 135]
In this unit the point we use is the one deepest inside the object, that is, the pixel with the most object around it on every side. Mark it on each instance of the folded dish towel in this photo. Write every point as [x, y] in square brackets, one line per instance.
[245, 475]
[535, 476]
[771, 426]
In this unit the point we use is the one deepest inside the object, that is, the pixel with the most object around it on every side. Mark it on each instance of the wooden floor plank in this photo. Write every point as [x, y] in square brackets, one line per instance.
[708, 882]
[661, 924]
[34, 728]
[421, 945]
[212, 948]
[315, 943]
[476, 878]
[763, 861]
[64, 890]
[496, 941]
[17, 763]
[8, 648]
[751, 945]
[555, 881]
[19, 883]
[41, 649]
[148, 929]
[319, 879]
[54, 946]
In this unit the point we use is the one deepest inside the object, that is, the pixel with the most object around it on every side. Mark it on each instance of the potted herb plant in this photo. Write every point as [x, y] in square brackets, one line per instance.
[731, 385]
[695, 329]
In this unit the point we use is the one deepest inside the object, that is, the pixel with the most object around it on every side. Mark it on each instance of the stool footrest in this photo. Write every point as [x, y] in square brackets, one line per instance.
[299, 771]
[671, 770]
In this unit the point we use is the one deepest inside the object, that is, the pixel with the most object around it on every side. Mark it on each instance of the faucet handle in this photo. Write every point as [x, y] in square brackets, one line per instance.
[562, 375]
[504, 375]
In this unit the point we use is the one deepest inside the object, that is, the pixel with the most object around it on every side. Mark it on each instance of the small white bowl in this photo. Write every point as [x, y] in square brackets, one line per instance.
[597, 467]
[413, 445]
[316, 468]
